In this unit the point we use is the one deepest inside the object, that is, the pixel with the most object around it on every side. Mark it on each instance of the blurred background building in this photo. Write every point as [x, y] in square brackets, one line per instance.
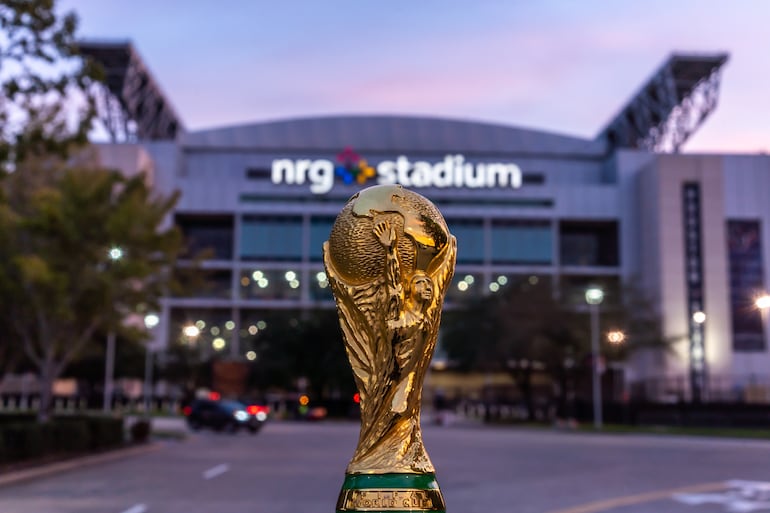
[690, 229]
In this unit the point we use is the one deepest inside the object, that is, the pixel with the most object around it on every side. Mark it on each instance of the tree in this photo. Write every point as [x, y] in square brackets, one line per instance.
[526, 329]
[304, 345]
[60, 281]
[45, 105]
[522, 330]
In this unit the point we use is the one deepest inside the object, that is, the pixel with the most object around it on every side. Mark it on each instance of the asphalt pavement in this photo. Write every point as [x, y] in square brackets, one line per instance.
[298, 467]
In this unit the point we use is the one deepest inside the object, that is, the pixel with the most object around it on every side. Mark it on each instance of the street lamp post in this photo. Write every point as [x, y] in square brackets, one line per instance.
[115, 253]
[594, 297]
[150, 321]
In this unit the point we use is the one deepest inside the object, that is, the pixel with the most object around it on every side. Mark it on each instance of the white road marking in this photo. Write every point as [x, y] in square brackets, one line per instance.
[741, 496]
[216, 471]
[137, 508]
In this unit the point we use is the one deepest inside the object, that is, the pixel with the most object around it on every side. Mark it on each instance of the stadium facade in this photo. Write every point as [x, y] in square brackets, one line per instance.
[526, 207]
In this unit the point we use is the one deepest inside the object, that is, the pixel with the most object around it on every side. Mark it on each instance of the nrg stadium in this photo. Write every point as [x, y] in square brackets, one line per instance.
[525, 205]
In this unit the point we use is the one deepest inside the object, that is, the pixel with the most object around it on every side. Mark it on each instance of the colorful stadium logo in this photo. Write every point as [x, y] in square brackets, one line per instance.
[350, 167]
[451, 171]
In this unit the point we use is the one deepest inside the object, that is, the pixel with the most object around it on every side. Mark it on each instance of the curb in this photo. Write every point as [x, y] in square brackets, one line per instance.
[54, 468]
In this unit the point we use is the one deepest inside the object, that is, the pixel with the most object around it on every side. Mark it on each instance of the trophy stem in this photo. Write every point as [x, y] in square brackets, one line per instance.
[390, 493]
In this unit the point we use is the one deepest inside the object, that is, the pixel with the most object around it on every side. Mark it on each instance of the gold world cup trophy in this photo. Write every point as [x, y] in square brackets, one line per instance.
[389, 260]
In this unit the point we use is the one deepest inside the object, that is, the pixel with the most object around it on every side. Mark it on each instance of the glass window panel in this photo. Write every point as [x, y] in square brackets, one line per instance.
[522, 242]
[744, 250]
[470, 240]
[270, 284]
[207, 233]
[271, 238]
[320, 228]
[319, 286]
[499, 283]
[201, 332]
[465, 286]
[208, 283]
[589, 243]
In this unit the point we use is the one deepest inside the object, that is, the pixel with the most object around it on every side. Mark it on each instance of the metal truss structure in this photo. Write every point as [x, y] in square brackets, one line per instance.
[130, 103]
[670, 107]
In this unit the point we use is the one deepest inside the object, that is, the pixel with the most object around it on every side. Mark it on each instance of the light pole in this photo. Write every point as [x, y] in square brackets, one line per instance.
[115, 253]
[150, 321]
[594, 297]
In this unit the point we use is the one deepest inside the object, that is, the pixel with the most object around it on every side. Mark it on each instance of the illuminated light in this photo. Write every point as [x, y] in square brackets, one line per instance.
[469, 279]
[594, 296]
[215, 330]
[191, 331]
[323, 284]
[304, 400]
[494, 286]
[261, 416]
[533, 280]
[253, 330]
[463, 286]
[214, 396]
[699, 317]
[245, 281]
[251, 356]
[294, 284]
[263, 283]
[320, 276]
[240, 415]
[290, 276]
[218, 343]
[187, 410]
[357, 398]
[257, 275]
[616, 337]
[697, 352]
[502, 280]
[115, 253]
[229, 325]
[151, 320]
[763, 302]
[261, 325]
[200, 324]
[256, 409]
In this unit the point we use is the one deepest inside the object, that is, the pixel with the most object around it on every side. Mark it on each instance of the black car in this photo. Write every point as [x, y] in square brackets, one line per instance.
[222, 415]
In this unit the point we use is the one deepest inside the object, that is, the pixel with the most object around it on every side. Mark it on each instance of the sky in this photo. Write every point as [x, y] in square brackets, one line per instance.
[555, 65]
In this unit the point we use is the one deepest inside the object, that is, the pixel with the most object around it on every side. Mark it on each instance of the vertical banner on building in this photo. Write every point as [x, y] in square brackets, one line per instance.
[693, 257]
[744, 253]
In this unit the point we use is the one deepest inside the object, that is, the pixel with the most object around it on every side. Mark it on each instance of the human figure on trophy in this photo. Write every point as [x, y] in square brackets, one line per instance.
[406, 316]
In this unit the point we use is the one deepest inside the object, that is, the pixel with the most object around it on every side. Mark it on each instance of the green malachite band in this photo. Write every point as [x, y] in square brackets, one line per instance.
[415, 481]
[390, 493]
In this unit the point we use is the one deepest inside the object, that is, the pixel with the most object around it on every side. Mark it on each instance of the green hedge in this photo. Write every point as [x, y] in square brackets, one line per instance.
[26, 439]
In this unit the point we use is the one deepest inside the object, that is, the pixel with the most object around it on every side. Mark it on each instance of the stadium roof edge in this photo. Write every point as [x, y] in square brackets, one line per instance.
[669, 106]
[144, 111]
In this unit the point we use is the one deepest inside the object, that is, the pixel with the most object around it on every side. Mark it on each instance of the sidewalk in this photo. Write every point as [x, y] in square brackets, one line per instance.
[45, 469]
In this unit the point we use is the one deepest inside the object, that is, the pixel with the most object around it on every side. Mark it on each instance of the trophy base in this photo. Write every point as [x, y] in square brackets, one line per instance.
[390, 493]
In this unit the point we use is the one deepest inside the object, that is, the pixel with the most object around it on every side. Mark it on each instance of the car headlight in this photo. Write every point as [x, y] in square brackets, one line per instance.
[261, 416]
[240, 415]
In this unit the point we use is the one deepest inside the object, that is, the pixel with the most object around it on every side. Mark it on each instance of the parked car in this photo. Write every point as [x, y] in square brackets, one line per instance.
[223, 415]
[257, 408]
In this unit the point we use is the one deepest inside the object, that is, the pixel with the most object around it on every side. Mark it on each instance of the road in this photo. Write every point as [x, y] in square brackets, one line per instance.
[299, 467]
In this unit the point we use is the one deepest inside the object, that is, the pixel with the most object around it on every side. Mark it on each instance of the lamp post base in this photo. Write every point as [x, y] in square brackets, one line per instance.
[390, 493]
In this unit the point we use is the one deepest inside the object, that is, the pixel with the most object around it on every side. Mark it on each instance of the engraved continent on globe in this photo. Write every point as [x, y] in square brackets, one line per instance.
[354, 249]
